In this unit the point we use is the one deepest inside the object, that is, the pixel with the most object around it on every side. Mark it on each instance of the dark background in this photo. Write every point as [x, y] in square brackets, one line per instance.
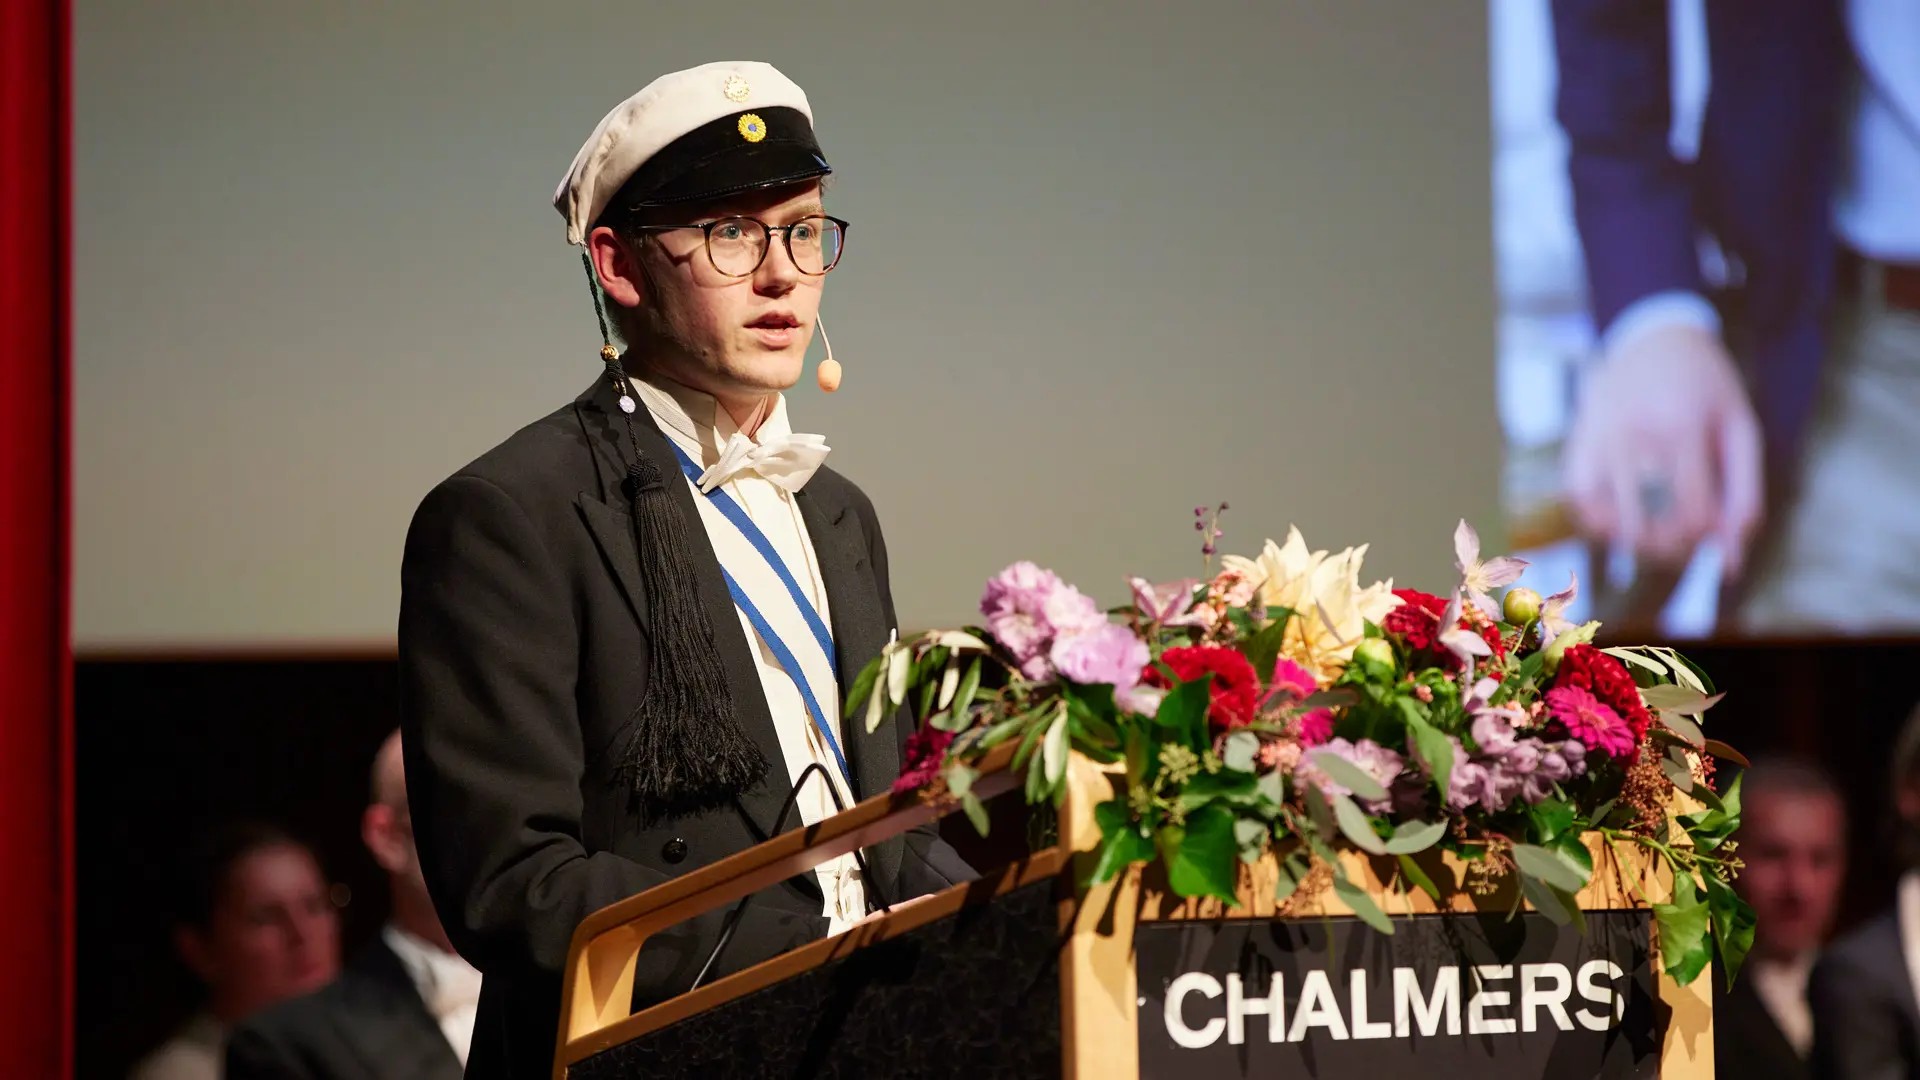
[166, 745]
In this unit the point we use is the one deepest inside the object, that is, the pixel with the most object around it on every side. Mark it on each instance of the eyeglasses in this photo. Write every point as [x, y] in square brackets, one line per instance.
[736, 246]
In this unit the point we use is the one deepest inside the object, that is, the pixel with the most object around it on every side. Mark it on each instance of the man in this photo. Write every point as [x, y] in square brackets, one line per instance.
[257, 926]
[404, 1008]
[1793, 840]
[1734, 406]
[625, 632]
[1866, 1023]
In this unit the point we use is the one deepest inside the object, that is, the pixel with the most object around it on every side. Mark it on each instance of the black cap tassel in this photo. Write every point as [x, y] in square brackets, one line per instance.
[684, 752]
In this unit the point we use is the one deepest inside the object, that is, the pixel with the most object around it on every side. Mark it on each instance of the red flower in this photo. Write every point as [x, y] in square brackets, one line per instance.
[1608, 680]
[925, 752]
[1416, 622]
[1235, 688]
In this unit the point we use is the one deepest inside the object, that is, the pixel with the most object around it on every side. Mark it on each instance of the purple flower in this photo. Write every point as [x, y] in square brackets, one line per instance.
[1368, 756]
[1169, 604]
[1478, 577]
[1553, 619]
[1027, 607]
[1108, 654]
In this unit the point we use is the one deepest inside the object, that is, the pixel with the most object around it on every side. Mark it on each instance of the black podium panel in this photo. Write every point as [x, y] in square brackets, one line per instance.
[973, 995]
[1444, 995]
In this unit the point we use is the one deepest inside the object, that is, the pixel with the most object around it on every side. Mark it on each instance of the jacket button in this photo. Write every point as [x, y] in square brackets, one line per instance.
[674, 850]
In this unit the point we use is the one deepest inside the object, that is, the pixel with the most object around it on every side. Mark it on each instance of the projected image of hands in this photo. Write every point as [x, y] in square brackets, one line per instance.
[1708, 351]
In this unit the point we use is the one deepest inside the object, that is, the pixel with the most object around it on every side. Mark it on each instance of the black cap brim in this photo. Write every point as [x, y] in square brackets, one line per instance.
[718, 159]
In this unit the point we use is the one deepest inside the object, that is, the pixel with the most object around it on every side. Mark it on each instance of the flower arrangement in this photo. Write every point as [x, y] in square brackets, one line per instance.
[1276, 704]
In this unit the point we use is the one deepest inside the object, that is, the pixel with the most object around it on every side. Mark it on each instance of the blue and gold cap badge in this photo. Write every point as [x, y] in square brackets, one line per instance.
[752, 128]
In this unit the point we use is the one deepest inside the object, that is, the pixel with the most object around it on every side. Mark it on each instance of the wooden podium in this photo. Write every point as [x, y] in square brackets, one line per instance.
[1024, 973]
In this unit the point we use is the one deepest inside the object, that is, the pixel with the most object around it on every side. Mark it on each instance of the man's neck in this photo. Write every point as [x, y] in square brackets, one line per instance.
[415, 916]
[747, 408]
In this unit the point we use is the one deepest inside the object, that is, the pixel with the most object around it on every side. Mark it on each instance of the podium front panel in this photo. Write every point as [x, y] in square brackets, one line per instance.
[975, 994]
[1444, 995]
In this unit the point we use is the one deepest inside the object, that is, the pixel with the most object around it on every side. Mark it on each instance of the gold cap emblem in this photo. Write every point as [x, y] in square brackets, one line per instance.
[752, 128]
[735, 88]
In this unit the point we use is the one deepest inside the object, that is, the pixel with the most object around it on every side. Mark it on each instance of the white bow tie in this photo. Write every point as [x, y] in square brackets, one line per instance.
[786, 461]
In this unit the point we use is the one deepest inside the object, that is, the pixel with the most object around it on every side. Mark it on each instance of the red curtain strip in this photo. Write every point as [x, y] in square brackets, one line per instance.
[36, 714]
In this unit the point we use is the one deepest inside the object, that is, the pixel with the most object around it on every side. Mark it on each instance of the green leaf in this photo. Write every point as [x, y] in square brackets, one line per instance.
[1353, 822]
[1204, 788]
[1415, 836]
[1551, 867]
[969, 684]
[976, 812]
[1293, 870]
[1053, 751]
[1272, 787]
[1204, 861]
[1240, 750]
[1551, 820]
[960, 779]
[1677, 772]
[1725, 753]
[1125, 843]
[1262, 650]
[1250, 835]
[1633, 657]
[862, 686]
[1531, 666]
[1683, 925]
[1683, 727]
[949, 720]
[1410, 867]
[1555, 904]
[1678, 699]
[1362, 904]
[1183, 712]
[1346, 774]
[1322, 817]
[1733, 923]
[1434, 750]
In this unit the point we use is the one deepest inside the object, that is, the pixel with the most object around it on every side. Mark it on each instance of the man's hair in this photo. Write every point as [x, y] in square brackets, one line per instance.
[208, 862]
[1788, 776]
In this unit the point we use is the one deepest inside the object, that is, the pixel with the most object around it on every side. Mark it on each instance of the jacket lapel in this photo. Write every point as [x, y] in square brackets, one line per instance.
[610, 521]
[390, 1027]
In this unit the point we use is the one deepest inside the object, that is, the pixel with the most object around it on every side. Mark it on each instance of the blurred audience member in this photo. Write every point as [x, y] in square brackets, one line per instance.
[257, 926]
[1866, 1025]
[404, 1007]
[1793, 839]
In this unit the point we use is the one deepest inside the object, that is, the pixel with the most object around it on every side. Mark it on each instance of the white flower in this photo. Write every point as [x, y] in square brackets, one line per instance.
[1330, 607]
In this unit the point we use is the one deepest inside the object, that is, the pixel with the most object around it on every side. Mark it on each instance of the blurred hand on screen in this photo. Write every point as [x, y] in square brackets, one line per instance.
[1665, 450]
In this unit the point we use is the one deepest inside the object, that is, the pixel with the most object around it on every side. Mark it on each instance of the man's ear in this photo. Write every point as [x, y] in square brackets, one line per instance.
[192, 947]
[616, 266]
[383, 839]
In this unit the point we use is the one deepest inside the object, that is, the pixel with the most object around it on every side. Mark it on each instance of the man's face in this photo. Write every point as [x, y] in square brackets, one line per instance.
[1794, 847]
[273, 934]
[732, 337]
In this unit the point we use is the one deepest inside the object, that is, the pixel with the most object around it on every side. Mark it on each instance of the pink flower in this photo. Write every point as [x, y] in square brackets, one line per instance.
[1590, 722]
[1027, 607]
[1315, 728]
[1108, 654]
[1291, 678]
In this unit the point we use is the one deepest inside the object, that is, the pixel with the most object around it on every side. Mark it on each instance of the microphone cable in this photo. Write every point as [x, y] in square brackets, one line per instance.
[869, 887]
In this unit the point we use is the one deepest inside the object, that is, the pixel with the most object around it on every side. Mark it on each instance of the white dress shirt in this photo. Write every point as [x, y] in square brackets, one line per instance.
[697, 424]
[448, 986]
[1781, 986]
